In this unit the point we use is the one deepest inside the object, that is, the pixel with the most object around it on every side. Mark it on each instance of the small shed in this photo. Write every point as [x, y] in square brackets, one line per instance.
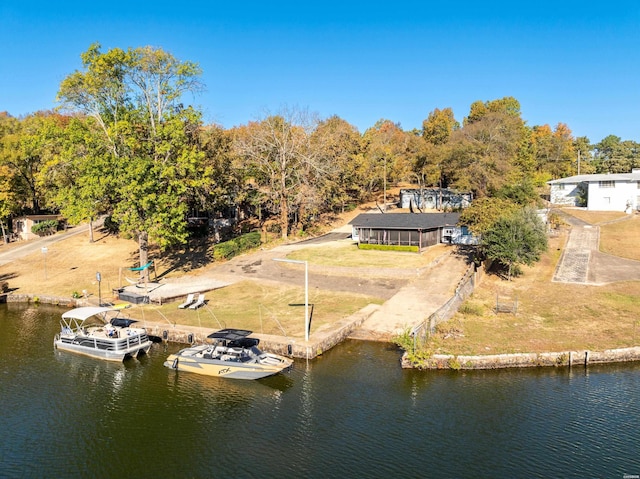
[408, 229]
[23, 224]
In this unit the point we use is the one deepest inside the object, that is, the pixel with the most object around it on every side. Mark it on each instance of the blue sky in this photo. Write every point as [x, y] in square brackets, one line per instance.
[570, 62]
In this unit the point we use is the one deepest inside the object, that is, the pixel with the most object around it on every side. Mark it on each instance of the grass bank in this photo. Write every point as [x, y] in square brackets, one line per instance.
[550, 316]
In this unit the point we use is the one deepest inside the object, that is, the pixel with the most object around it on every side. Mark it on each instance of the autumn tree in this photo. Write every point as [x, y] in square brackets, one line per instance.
[554, 150]
[217, 185]
[439, 126]
[148, 153]
[387, 154]
[274, 153]
[483, 155]
[25, 146]
[340, 175]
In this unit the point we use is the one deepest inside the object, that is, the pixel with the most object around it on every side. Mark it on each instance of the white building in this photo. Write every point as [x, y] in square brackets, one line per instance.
[602, 192]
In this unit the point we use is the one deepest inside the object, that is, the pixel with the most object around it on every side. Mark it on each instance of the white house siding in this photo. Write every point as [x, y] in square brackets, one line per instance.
[458, 235]
[564, 194]
[605, 192]
[622, 197]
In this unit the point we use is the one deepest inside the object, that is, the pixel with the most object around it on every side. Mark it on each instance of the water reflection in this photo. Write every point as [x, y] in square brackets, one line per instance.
[352, 412]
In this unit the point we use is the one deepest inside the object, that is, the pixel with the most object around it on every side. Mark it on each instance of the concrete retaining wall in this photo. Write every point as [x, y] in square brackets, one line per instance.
[31, 298]
[524, 360]
[321, 341]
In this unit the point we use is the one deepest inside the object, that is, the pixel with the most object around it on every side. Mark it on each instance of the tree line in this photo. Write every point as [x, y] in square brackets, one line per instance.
[124, 144]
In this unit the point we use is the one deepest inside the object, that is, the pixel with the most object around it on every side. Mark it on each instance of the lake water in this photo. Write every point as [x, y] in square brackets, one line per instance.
[352, 413]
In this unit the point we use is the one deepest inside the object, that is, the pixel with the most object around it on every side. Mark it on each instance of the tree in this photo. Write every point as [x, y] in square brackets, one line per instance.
[25, 146]
[483, 155]
[516, 239]
[341, 178]
[554, 150]
[439, 126]
[274, 153]
[387, 153]
[506, 106]
[217, 185]
[148, 150]
[483, 213]
[76, 179]
[612, 155]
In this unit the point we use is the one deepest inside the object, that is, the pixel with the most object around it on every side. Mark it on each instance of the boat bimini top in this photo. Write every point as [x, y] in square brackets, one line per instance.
[234, 338]
[75, 318]
[84, 313]
[230, 334]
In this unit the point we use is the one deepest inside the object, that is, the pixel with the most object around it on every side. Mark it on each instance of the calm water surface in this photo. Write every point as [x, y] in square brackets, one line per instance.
[351, 413]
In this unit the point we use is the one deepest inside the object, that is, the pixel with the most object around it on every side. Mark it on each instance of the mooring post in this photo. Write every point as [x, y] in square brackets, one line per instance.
[586, 358]
[570, 357]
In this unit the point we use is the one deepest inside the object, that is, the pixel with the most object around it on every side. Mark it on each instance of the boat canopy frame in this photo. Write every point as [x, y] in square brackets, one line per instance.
[74, 319]
[230, 334]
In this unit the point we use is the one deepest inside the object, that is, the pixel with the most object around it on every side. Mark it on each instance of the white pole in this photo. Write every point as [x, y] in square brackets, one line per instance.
[306, 291]
[306, 301]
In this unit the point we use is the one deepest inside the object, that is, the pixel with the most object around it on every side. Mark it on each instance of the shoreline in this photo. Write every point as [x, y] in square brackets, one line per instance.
[525, 360]
[290, 347]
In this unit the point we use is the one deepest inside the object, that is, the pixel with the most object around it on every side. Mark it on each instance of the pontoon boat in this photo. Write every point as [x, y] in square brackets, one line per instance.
[88, 331]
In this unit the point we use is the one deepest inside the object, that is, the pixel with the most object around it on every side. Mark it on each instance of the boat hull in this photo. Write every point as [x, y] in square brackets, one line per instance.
[110, 351]
[226, 369]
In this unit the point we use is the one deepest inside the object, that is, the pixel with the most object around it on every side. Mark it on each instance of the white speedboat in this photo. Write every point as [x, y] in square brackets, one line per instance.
[88, 331]
[231, 355]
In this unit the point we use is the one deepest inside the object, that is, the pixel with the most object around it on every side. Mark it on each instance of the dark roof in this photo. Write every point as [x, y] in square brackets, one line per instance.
[230, 334]
[405, 221]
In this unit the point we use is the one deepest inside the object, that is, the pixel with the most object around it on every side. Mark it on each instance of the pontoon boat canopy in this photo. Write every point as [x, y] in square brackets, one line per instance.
[86, 312]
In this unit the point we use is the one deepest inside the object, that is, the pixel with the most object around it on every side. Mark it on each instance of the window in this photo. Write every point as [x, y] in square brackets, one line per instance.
[561, 186]
[606, 184]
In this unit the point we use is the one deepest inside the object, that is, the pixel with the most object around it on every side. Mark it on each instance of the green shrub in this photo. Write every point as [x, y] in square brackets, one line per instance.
[44, 228]
[390, 247]
[454, 364]
[248, 241]
[404, 340]
[233, 247]
[471, 309]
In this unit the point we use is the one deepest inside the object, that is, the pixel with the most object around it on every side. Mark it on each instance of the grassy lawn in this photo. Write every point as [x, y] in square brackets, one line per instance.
[347, 254]
[550, 316]
[263, 308]
[70, 267]
[621, 239]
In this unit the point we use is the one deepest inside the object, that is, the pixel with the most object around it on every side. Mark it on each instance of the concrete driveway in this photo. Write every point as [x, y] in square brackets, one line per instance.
[582, 262]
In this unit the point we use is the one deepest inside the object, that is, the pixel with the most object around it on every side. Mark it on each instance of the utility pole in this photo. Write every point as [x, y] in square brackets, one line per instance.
[384, 206]
[578, 161]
